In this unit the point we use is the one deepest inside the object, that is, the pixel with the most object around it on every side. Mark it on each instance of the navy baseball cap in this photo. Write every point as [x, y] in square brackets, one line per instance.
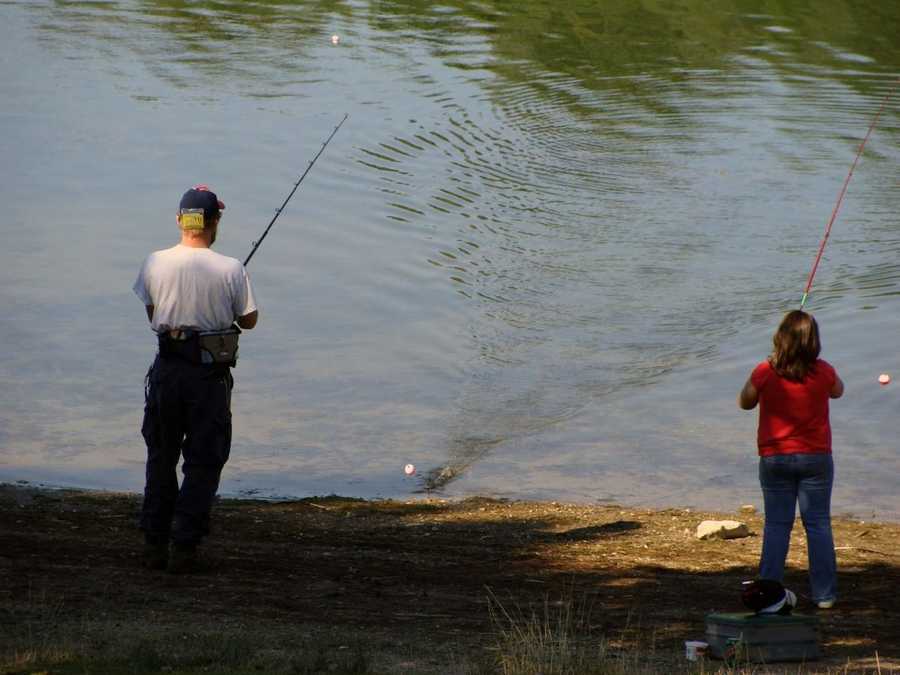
[201, 197]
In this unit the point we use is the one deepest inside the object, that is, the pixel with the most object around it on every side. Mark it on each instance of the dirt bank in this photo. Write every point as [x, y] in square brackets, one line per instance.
[415, 579]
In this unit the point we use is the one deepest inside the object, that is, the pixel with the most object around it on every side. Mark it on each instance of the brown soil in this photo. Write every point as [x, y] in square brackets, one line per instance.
[428, 567]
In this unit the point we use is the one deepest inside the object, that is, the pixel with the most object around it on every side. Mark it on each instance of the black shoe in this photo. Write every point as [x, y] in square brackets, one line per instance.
[184, 559]
[156, 556]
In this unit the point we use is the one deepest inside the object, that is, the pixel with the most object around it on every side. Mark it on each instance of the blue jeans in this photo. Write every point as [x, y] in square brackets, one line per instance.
[807, 479]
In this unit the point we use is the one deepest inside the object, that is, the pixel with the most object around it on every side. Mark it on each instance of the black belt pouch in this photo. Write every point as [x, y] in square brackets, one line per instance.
[187, 349]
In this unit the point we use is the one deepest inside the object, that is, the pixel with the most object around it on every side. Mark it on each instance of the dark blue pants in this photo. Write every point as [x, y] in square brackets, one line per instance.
[187, 414]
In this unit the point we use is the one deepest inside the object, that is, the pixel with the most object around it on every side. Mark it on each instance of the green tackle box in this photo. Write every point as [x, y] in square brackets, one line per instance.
[762, 638]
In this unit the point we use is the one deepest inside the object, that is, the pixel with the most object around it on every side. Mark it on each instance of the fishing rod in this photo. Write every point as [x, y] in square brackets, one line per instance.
[843, 191]
[296, 185]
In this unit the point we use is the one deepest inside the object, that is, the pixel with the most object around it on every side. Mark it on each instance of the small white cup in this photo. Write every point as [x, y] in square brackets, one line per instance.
[695, 649]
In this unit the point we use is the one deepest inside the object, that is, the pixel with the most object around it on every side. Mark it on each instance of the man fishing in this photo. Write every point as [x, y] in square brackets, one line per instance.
[193, 298]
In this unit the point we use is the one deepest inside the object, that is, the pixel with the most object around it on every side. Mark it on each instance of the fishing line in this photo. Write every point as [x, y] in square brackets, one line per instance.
[840, 199]
[296, 185]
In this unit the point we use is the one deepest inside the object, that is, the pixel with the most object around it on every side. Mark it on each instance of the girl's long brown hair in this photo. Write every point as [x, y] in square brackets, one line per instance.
[796, 346]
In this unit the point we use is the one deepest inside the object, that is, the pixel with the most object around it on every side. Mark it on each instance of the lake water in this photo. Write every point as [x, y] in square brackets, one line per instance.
[539, 259]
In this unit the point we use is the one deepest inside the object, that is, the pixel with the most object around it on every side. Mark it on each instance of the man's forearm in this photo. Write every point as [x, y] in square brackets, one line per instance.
[248, 321]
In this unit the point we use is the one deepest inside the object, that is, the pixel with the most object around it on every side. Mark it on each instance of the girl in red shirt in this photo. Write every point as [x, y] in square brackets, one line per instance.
[793, 387]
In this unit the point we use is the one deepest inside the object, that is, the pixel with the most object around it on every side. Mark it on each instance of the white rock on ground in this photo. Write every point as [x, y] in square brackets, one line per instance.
[722, 529]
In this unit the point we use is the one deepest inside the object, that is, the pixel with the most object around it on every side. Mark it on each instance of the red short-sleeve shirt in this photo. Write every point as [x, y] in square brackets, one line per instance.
[793, 416]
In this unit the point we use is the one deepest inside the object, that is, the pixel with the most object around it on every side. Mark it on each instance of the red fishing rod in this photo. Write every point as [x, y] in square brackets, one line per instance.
[840, 199]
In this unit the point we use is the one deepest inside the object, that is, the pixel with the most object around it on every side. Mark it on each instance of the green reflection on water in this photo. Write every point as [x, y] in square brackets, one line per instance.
[594, 43]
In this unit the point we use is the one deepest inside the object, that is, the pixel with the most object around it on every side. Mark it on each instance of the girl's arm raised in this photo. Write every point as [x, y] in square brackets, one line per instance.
[749, 396]
[837, 389]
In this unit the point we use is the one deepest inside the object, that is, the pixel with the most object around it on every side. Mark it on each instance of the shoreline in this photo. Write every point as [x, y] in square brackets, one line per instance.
[868, 514]
[419, 585]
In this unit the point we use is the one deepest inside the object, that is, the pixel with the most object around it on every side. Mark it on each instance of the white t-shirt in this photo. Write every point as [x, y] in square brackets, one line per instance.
[194, 288]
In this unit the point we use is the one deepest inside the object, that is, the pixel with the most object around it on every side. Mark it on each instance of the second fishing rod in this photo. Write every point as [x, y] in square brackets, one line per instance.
[259, 241]
[840, 199]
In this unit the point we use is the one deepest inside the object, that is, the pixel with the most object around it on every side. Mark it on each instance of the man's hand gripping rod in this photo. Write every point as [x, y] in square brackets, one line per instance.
[296, 185]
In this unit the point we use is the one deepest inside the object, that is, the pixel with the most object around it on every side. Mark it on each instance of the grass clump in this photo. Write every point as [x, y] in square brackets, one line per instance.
[554, 639]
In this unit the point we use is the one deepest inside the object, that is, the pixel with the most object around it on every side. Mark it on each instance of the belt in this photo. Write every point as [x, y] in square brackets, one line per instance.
[218, 347]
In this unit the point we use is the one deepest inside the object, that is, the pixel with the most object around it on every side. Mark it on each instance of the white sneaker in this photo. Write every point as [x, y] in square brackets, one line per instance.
[825, 604]
[790, 598]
